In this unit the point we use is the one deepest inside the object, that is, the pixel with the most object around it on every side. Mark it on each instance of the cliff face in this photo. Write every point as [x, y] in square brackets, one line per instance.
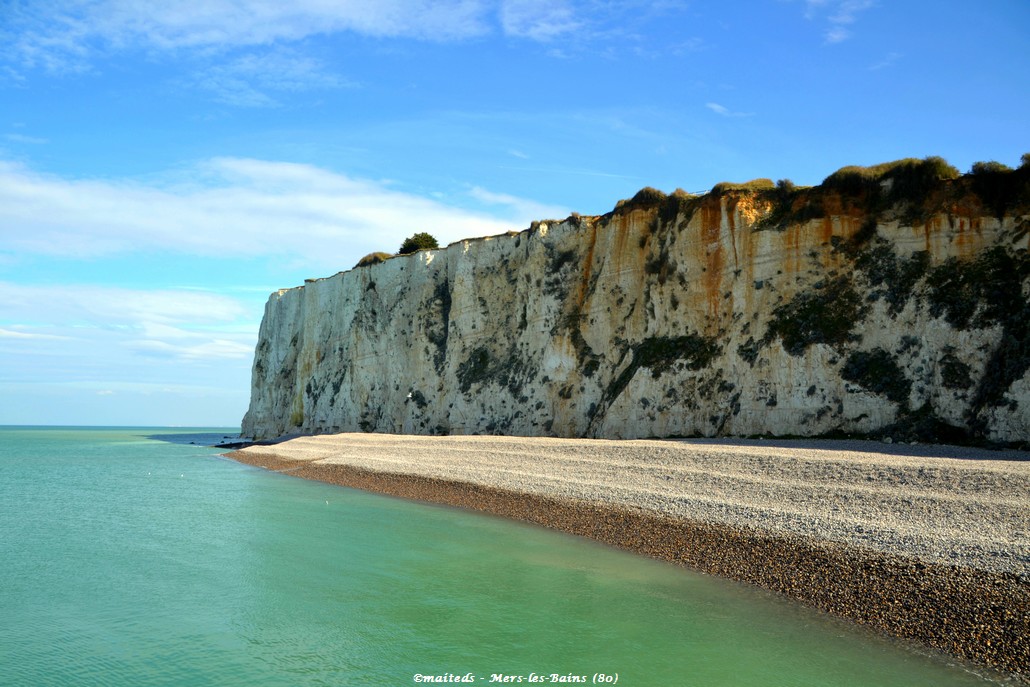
[840, 308]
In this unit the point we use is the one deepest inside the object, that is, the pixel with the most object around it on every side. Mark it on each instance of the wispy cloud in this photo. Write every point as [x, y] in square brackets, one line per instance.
[540, 20]
[689, 45]
[21, 332]
[69, 35]
[726, 112]
[887, 61]
[254, 79]
[168, 323]
[248, 204]
[83, 304]
[179, 355]
[197, 348]
[840, 15]
[22, 138]
[528, 210]
[62, 35]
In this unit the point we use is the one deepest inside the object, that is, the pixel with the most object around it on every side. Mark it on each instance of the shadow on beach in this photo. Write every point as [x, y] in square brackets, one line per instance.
[919, 450]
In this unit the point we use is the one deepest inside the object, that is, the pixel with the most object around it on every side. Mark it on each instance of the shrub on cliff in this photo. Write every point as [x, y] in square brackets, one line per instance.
[648, 196]
[762, 184]
[1002, 189]
[373, 258]
[909, 181]
[416, 242]
[989, 167]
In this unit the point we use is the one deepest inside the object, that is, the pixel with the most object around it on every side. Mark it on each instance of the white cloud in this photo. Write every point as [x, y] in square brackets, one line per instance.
[847, 10]
[726, 112]
[85, 304]
[249, 79]
[21, 333]
[22, 138]
[840, 15]
[257, 208]
[837, 34]
[214, 349]
[71, 320]
[540, 20]
[69, 35]
[62, 34]
[887, 61]
[527, 210]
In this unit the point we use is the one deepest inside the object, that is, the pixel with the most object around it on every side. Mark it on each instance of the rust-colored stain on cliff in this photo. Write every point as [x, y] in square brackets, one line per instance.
[712, 253]
[967, 236]
[731, 217]
[791, 260]
[825, 231]
[619, 257]
[588, 266]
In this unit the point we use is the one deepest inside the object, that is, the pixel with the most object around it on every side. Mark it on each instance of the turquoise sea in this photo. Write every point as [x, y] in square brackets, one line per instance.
[131, 561]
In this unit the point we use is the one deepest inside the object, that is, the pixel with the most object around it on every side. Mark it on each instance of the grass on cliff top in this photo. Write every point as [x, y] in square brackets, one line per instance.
[918, 187]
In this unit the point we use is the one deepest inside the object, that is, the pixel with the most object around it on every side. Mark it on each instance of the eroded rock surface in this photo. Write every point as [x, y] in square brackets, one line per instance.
[858, 306]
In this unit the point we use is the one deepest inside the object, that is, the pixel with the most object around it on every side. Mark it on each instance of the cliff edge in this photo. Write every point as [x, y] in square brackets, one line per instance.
[887, 301]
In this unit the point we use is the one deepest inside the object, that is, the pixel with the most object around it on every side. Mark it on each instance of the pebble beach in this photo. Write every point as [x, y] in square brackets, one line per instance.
[925, 543]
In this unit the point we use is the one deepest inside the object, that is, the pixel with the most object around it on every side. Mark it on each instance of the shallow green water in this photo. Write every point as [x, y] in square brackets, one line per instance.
[132, 561]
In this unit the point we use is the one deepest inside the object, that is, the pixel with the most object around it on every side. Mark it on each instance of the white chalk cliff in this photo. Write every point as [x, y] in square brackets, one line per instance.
[885, 302]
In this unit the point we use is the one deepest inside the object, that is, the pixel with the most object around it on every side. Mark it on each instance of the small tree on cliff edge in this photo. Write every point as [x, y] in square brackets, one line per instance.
[418, 242]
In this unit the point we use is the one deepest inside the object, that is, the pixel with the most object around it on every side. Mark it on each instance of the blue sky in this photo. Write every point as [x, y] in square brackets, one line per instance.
[165, 166]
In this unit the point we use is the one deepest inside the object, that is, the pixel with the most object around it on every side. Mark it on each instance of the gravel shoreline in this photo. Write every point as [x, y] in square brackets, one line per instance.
[927, 543]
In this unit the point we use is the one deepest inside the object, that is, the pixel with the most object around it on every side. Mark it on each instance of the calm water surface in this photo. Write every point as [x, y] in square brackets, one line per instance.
[128, 560]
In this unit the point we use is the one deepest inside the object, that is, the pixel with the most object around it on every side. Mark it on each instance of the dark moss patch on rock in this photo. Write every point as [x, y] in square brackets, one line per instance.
[893, 278]
[749, 350]
[925, 426]
[659, 354]
[338, 382]
[557, 282]
[437, 323]
[483, 367]
[475, 369]
[561, 259]
[878, 372]
[589, 361]
[983, 293]
[978, 293]
[955, 374]
[659, 263]
[418, 398]
[826, 315]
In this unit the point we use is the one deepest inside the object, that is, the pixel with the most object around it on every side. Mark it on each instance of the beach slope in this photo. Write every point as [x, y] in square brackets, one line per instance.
[927, 543]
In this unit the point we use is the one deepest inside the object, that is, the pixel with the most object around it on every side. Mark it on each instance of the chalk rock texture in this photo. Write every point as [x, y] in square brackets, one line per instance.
[848, 307]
